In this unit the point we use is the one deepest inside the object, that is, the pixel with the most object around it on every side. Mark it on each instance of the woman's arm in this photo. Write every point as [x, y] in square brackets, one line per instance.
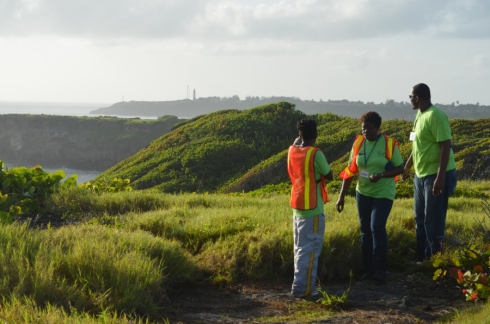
[345, 188]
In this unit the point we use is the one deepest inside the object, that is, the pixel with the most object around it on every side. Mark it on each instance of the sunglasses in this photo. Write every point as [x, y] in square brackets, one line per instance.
[411, 96]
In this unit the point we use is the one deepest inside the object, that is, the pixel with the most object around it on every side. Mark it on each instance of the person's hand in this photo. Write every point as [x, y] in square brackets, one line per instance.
[297, 141]
[406, 174]
[340, 204]
[375, 177]
[438, 186]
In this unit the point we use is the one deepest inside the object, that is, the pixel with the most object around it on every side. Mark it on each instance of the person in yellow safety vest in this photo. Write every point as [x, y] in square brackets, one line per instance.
[375, 160]
[308, 169]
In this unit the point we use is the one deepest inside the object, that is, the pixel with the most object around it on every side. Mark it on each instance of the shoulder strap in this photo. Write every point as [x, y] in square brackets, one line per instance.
[390, 147]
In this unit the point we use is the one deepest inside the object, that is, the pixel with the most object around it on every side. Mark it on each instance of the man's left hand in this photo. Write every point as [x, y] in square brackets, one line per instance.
[438, 186]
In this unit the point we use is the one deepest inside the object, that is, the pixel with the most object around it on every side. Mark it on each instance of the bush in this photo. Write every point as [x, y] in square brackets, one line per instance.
[24, 190]
[468, 260]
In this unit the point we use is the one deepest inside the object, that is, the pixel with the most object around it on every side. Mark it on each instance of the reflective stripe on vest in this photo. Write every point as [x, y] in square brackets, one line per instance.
[301, 170]
[352, 169]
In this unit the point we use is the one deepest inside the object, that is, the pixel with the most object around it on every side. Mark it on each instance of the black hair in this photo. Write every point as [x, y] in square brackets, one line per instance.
[372, 117]
[422, 91]
[307, 129]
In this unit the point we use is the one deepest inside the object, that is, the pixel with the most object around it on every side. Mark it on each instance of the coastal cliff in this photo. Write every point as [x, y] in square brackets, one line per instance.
[87, 143]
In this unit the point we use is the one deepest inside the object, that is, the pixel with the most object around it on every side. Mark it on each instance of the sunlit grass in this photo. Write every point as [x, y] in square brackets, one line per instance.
[133, 248]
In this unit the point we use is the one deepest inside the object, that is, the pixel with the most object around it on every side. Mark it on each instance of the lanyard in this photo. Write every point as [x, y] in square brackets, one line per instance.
[366, 158]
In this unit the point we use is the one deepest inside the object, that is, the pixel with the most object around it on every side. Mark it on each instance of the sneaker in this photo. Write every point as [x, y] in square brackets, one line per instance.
[313, 297]
[379, 276]
[418, 262]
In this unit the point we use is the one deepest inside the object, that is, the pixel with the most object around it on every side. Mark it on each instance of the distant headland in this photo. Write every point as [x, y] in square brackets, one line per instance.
[188, 108]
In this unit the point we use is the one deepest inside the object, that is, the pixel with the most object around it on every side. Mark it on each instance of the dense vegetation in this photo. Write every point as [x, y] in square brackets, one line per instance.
[235, 151]
[204, 153]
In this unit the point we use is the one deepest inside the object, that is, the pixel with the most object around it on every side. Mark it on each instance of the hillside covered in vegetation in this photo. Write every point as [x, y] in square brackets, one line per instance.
[87, 143]
[235, 151]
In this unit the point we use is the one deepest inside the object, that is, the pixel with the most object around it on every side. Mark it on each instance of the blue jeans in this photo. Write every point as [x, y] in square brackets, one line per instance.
[373, 214]
[430, 212]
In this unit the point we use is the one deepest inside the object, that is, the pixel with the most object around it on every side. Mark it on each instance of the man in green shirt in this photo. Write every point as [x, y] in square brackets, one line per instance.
[435, 171]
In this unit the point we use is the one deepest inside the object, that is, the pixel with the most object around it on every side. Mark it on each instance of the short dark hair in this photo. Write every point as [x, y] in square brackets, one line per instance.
[422, 91]
[372, 117]
[307, 129]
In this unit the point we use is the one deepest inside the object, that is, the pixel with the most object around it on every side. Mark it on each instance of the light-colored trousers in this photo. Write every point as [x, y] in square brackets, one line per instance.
[308, 240]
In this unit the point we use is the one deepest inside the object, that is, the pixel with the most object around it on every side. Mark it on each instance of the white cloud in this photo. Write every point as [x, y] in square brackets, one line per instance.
[295, 20]
[151, 49]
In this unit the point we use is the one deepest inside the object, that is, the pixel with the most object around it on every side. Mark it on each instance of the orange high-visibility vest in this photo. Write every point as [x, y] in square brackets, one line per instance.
[351, 170]
[301, 170]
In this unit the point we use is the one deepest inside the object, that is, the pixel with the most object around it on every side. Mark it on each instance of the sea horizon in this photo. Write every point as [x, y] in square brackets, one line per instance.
[76, 109]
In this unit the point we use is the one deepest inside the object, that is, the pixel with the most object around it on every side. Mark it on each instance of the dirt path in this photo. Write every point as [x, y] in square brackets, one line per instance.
[403, 298]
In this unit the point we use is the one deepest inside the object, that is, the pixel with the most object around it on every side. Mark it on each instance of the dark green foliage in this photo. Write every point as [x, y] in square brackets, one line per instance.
[210, 151]
[244, 151]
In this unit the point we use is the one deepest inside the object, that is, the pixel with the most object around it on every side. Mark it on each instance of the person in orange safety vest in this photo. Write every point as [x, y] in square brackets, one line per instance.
[376, 161]
[308, 169]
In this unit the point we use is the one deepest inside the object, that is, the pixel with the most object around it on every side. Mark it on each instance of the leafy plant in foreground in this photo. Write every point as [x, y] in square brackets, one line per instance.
[469, 260]
[25, 190]
[334, 301]
[104, 185]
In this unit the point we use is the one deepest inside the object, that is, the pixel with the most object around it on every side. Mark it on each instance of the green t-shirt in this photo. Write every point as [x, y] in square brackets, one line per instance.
[430, 127]
[374, 153]
[321, 167]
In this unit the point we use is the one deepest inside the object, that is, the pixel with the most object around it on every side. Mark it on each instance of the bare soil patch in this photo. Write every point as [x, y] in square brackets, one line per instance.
[404, 298]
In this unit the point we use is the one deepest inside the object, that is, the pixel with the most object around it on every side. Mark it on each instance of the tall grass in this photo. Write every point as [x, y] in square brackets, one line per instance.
[91, 268]
[132, 249]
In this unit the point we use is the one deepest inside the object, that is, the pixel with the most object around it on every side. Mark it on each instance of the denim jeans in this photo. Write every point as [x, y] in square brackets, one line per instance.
[308, 241]
[430, 212]
[373, 214]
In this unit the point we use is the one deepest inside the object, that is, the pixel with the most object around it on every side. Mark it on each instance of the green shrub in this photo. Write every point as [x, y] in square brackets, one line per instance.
[468, 259]
[24, 190]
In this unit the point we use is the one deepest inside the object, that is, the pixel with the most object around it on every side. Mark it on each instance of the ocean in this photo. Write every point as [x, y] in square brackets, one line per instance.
[59, 109]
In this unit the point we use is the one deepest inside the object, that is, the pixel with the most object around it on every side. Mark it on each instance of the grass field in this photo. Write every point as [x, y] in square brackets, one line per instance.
[129, 249]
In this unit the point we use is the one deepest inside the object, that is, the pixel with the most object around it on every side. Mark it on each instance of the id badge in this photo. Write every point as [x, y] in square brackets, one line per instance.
[412, 136]
[364, 174]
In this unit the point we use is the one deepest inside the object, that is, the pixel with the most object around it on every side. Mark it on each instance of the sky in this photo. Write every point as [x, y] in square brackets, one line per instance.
[155, 50]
